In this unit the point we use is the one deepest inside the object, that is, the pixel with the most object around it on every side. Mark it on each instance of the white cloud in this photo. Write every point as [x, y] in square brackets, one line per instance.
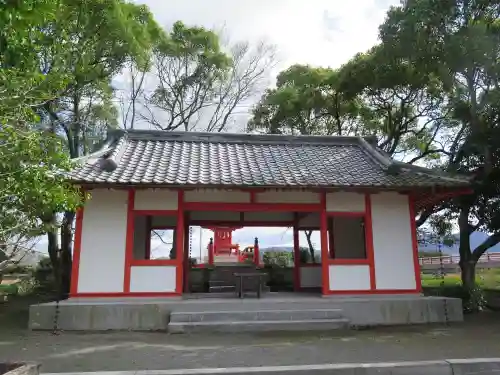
[244, 237]
[316, 32]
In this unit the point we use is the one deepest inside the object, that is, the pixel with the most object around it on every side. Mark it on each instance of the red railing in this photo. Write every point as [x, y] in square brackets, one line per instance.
[454, 259]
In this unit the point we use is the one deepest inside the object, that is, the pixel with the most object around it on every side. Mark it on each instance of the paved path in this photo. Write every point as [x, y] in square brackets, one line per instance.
[73, 352]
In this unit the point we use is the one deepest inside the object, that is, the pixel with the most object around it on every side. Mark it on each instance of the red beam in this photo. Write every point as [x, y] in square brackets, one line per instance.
[252, 207]
[155, 212]
[348, 262]
[238, 224]
[153, 262]
[128, 294]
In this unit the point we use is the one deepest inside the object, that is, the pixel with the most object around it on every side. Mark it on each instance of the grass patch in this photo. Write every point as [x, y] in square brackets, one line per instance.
[9, 289]
[486, 279]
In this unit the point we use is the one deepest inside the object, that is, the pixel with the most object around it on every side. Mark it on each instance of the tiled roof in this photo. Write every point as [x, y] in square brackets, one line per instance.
[154, 158]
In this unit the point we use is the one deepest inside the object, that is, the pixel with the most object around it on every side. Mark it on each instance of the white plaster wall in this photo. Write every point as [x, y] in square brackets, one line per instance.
[312, 220]
[349, 277]
[104, 229]
[278, 196]
[165, 221]
[392, 242]
[214, 215]
[152, 279]
[216, 195]
[310, 277]
[345, 202]
[156, 199]
[268, 216]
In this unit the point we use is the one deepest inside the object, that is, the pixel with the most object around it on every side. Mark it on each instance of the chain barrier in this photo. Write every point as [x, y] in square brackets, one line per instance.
[191, 242]
[442, 272]
[58, 286]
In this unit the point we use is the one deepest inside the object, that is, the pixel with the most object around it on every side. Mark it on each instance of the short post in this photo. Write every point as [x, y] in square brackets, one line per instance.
[211, 252]
[256, 254]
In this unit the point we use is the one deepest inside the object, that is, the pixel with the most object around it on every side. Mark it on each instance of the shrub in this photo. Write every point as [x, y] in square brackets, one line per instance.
[278, 259]
[471, 300]
[44, 275]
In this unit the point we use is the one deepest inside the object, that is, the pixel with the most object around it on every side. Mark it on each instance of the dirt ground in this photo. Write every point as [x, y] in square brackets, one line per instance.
[479, 336]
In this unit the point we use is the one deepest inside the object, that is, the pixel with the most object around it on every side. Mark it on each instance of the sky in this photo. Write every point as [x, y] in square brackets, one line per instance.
[316, 32]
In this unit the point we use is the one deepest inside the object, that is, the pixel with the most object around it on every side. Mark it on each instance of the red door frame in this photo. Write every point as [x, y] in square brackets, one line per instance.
[182, 207]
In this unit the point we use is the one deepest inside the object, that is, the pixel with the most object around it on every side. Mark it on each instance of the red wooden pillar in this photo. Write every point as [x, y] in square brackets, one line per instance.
[296, 259]
[77, 245]
[179, 243]
[187, 263]
[331, 243]
[414, 241]
[129, 244]
[256, 253]
[210, 249]
[325, 279]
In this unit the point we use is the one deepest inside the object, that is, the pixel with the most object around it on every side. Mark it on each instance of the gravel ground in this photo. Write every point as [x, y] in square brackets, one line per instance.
[74, 352]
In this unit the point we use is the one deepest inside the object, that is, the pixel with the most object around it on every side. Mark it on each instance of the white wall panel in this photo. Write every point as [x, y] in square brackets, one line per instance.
[392, 242]
[216, 195]
[345, 202]
[278, 196]
[156, 199]
[349, 277]
[104, 231]
[310, 277]
[152, 279]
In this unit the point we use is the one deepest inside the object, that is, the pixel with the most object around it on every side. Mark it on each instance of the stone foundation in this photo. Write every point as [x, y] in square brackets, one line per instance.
[150, 314]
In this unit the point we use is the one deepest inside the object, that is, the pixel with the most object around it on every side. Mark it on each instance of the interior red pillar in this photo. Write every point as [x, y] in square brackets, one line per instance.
[256, 252]
[325, 279]
[296, 259]
[187, 263]
[210, 249]
[179, 243]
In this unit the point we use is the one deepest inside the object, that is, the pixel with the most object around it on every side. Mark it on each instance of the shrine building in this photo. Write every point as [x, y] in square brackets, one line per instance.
[361, 201]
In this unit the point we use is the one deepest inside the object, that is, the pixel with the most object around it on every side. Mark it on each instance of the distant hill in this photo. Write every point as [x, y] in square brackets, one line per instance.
[476, 239]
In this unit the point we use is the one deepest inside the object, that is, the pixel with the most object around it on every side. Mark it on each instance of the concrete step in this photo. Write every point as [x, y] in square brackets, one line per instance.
[219, 282]
[221, 288]
[258, 326]
[262, 315]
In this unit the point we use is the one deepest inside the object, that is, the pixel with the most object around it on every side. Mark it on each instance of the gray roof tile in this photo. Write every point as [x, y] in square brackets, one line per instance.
[211, 159]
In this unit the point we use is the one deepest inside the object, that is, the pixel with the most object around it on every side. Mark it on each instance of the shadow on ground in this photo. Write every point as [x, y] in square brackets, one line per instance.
[478, 336]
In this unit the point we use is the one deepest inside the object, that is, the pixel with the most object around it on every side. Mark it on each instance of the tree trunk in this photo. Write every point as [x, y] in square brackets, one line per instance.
[66, 256]
[53, 250]
[468, 273]
[309, 243]
[467, 262]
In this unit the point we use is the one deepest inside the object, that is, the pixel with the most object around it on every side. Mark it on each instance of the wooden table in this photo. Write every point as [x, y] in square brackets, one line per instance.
[255, 275]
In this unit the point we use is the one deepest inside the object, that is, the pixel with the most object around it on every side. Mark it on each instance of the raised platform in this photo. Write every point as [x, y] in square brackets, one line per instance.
[147, 314]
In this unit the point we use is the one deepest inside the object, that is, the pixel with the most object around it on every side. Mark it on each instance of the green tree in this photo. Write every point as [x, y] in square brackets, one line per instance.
[78, 47]
[456, 41]
[32, 163]
[371, 95]
[306, 101]
[202, 79]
